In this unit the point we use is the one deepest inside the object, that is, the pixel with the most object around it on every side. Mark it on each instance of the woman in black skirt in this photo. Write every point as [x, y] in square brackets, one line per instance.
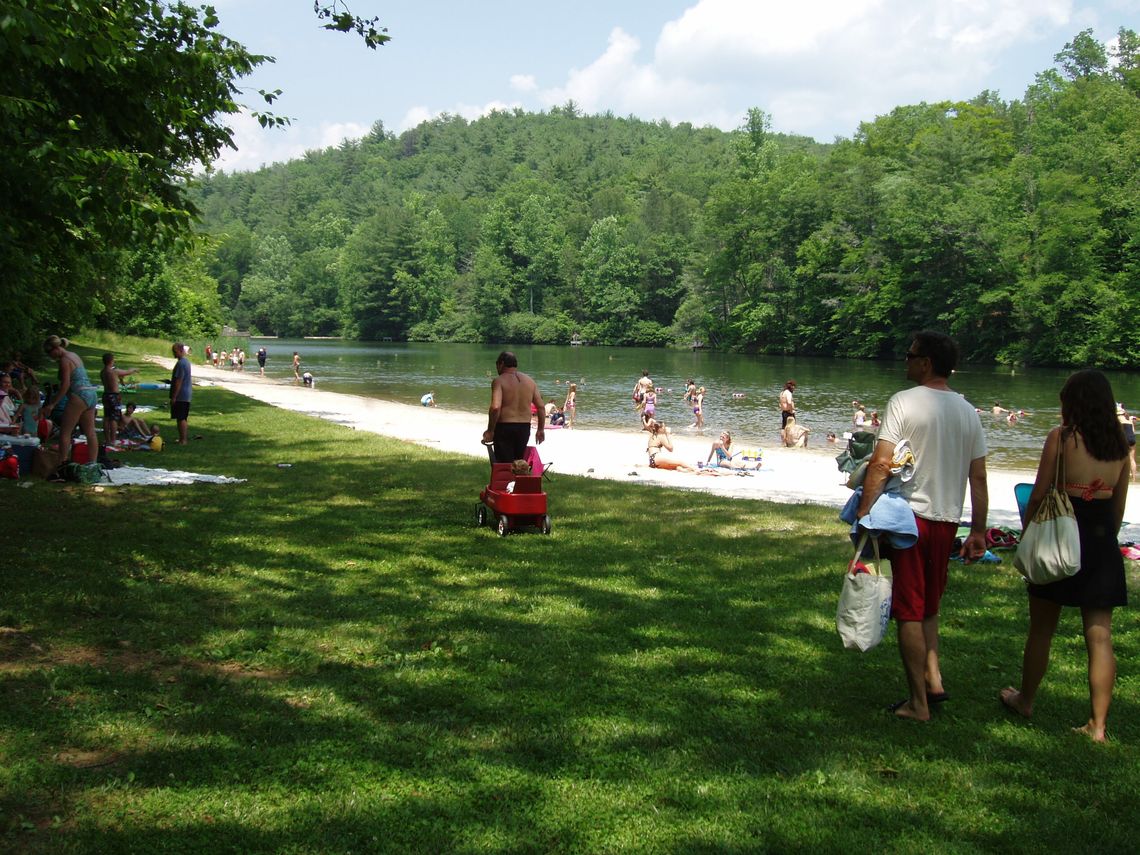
[1095, 473]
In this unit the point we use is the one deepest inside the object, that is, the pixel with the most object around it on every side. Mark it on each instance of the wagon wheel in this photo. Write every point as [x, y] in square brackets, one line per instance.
[481, 514]
[503, 526]
[546, 524]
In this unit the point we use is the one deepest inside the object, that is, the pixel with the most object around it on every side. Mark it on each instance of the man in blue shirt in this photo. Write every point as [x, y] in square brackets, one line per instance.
[180, 391]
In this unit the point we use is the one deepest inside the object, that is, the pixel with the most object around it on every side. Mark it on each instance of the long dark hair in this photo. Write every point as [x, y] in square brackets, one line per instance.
[1089, 407]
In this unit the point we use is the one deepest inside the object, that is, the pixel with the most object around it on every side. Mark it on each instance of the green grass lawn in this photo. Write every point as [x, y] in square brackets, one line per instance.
[332, 658]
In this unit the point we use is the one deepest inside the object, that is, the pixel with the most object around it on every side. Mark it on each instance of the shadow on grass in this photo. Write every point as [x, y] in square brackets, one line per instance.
[332, 657]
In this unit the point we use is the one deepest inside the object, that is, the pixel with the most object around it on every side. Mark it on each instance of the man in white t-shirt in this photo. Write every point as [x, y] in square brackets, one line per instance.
[949, 446]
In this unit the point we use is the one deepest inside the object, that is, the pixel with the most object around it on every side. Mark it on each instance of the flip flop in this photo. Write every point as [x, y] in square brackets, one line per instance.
[931, 699]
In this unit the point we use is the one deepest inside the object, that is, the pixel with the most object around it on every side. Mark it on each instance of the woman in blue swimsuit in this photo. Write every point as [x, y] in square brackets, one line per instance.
[81, 397]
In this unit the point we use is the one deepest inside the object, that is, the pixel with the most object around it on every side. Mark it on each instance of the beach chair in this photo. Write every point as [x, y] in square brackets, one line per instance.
[859, 449]
[1021, 494]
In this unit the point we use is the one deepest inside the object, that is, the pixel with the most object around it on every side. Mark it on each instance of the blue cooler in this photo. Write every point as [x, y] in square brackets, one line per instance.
[24, 447]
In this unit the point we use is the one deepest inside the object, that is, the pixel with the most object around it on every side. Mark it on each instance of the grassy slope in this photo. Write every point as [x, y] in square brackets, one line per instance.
[331, 658]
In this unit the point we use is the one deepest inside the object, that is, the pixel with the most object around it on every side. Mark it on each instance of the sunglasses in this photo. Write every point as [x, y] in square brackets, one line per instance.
[909, 356]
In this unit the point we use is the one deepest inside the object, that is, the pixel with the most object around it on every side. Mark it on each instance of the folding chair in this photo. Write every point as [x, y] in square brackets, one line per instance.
[1021, 493]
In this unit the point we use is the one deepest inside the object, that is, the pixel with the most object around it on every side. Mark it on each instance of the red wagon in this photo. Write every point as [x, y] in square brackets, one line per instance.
[513, 501]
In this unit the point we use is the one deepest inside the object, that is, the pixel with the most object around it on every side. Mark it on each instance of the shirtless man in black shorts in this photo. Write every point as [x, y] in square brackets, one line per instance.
[112, 397]
[508, 418]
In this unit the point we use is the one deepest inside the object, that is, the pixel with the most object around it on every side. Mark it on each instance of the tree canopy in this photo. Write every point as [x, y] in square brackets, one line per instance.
[106, 112]
[105, 109]
[1012, 225]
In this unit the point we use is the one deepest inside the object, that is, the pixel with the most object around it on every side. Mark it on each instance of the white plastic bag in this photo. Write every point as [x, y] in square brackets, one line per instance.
[865, 602]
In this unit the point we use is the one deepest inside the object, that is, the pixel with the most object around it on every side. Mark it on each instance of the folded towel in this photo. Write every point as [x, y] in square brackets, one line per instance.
[890, 517]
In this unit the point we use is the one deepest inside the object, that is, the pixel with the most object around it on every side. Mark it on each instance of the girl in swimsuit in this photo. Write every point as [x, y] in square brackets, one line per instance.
[568, 407]
[660, 449]
[1095, 474]
[721, 450]
[81, 398]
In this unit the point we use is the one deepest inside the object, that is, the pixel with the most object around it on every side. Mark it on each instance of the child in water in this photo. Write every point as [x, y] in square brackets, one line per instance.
[568, 408]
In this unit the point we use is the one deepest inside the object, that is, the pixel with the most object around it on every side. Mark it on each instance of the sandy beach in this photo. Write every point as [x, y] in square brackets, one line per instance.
[791, 476]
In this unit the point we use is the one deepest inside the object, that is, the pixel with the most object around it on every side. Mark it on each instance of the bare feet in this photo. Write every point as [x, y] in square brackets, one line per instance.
[1012, 700]
[1092, 732]
[907, 711]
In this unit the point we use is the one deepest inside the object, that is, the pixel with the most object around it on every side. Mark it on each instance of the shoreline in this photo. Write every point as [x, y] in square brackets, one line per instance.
[788, 476]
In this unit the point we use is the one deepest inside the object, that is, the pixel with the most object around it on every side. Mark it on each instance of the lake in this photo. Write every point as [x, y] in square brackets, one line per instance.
[741, 391]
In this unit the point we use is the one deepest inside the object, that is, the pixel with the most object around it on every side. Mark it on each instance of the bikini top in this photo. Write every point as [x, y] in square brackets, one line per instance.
[1096, 490]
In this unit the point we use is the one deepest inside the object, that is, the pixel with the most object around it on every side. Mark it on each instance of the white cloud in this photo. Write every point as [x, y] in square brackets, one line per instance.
[334, 133]
[818, 67]
[615, 81]
[523, 82]
[723, 30]
[413, 117]
[258, 146]
[420, 113]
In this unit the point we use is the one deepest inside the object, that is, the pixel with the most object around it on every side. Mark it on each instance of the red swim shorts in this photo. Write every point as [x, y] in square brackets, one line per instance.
[920, 572]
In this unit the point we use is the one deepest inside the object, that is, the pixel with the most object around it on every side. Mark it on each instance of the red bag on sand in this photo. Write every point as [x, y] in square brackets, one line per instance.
[10, 467]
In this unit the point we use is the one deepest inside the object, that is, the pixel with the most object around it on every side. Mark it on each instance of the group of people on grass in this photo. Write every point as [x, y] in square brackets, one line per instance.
[71, 405]
[944, 433]
[21, 400]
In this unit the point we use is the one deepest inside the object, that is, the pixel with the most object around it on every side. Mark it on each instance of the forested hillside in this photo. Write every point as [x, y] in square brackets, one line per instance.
[1014, 225]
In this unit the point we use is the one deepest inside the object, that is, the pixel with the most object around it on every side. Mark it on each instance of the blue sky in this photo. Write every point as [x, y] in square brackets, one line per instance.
[817, 67]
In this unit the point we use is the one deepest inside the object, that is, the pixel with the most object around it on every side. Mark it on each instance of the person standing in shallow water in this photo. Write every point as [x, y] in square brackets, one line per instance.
[570, 406]
[640, 388]
[1095, 472]
[513, 394]
[787, 403]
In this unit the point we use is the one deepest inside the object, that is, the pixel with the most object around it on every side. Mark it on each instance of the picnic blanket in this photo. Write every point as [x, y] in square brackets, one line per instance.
[142, 475]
